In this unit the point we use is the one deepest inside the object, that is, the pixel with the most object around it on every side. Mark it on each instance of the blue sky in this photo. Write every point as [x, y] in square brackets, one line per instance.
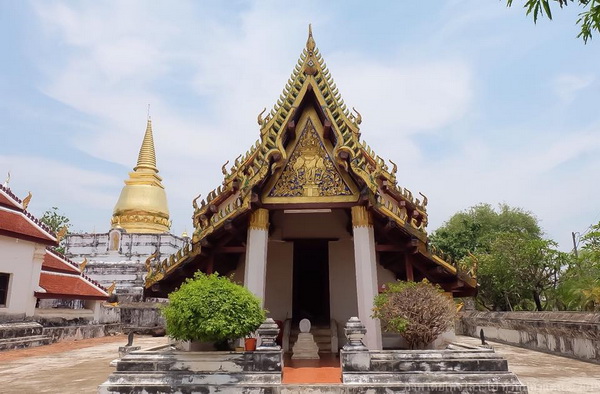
[473, 101]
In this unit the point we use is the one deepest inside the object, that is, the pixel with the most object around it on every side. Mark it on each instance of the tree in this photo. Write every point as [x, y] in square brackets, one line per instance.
[589, 19]
[58, 223]
[418, 311]
[517, 267]
[579, 286]
[55, 220]
[473, 230]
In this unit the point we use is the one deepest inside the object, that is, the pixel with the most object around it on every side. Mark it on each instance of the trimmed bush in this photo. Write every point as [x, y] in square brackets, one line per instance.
[211, 308]
[416, 310]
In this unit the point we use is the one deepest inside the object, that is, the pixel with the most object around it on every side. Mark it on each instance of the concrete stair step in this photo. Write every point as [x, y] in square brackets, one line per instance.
[21, 329]
[24, 342]
[437, 378]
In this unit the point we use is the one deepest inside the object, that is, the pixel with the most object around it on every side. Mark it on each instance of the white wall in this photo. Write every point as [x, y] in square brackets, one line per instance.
[342, 284]
[278, 298]
[384, 275]
[23, 261]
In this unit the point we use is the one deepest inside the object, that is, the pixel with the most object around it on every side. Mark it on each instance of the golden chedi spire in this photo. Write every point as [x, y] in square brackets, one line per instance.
[142, 206]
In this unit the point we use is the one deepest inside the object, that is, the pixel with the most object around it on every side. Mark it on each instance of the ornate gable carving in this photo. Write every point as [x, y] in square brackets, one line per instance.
[310, 171]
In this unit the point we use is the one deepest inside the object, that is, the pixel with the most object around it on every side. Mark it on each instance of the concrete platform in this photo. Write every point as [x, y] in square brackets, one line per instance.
[79, 367]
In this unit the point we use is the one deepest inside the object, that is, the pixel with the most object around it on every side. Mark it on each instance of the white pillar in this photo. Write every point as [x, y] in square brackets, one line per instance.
[255, 271]
[96, 307]
[36, 270]
[366, 274]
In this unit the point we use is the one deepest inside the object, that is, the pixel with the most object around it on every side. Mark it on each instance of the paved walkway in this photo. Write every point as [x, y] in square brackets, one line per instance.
[64, 367]
[79, 367]
[546, 373]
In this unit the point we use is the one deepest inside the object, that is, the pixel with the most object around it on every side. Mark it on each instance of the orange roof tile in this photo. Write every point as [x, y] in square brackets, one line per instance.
[62, 285]
[23, 225]
[7, 198]
[54, 261]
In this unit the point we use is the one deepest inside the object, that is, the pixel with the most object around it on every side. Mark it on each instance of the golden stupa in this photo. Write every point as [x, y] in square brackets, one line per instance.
[142, 205]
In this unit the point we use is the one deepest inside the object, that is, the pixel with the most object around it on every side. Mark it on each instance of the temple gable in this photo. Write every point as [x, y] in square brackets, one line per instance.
[310, 174]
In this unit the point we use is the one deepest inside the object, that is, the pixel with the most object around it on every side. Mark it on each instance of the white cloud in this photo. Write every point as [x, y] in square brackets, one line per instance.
[554, 180]
[568, 86]
[67, 187]
[208, 72]
[230, 71]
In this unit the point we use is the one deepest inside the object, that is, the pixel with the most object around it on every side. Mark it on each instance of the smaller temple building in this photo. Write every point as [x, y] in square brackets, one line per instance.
[310, 219]
[139, 231]
[31, 272]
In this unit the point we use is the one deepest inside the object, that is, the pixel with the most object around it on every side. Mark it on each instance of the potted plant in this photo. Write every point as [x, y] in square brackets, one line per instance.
[212, 308]
[250, 342]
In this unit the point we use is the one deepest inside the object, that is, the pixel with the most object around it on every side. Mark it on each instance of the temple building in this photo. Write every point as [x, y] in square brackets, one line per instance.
[33, 275]
[310, 219]
[139, 231]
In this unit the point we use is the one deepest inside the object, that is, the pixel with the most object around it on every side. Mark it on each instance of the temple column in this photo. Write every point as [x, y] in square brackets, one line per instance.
[366, 274]
[255, 271]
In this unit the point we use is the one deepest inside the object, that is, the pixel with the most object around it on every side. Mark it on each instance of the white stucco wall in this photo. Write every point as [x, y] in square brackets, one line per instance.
[384, 275]
[310, 225]
[342, 284]
[23, 261]
[278, 299]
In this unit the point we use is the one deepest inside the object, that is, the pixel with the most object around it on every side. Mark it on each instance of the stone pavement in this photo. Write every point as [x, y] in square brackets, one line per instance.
[546, 373]
[64, 367]
[79, 367]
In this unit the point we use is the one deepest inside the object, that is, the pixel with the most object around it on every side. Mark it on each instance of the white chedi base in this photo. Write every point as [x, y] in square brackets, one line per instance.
[305, 347]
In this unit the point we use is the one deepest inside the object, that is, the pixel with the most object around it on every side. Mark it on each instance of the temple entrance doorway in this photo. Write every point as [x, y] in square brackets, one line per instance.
[311, 281]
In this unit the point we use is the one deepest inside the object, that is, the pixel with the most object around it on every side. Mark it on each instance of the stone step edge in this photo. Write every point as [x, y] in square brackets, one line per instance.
[31, 338]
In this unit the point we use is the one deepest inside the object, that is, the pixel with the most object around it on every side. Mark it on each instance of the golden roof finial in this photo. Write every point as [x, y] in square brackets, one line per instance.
[83, 264]
[310, 43]
[110, 290]
[60, 234]
[147, 156]
[26, 200]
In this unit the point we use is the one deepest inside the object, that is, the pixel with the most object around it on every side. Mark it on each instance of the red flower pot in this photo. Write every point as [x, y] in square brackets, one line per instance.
[250, 344]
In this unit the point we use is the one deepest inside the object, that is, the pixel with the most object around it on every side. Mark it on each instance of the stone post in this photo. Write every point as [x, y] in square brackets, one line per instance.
[268, 332]
[366, 273]
[255, 271]
[355, 332]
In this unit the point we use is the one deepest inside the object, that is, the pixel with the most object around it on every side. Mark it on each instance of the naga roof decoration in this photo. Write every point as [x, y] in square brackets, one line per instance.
[264, 173]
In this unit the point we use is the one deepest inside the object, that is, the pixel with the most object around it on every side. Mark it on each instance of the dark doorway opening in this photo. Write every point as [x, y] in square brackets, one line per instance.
[311, 281]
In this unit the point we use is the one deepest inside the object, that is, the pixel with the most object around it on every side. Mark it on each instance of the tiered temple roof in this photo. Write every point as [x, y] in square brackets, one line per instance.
[62, 278]
[16, 222]
[252, 179]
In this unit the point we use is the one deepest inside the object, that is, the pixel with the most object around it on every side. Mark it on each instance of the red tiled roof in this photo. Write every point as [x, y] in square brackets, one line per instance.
[9, 199]
[63, 285]
[21, 224]
[54, 261]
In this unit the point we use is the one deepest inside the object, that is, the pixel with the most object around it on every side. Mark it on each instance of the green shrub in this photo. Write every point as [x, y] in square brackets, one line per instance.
[211, 308]
[416, 310]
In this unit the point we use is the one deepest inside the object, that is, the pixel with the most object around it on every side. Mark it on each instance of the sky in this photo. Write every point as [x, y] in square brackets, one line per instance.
[474, 102]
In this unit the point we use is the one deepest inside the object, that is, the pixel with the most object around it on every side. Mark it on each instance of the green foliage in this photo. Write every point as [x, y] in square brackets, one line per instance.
[589, 19]
[418, 311]
[473, 230]
[517, 268]
[55, 220]
[212, 308]
[579, 286]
